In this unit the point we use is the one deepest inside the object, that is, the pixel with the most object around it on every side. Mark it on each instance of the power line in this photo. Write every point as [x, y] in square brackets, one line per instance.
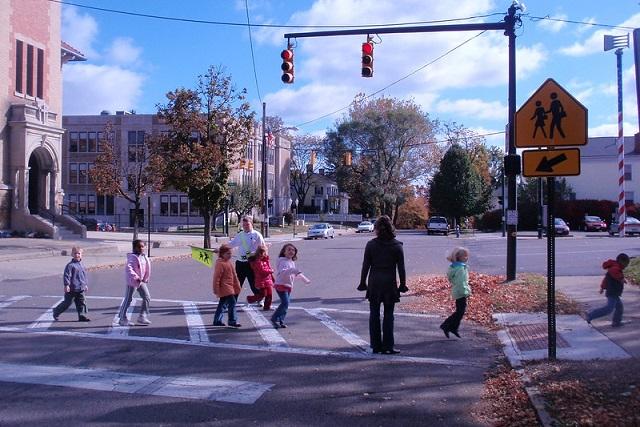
[569, 21]
[242, 24]
[253, 59]
[396, 81]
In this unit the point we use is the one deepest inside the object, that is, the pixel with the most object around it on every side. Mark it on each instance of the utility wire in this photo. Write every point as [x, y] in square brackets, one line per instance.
[241, 24]
[253, 59]
[569, 21]
[396, 81]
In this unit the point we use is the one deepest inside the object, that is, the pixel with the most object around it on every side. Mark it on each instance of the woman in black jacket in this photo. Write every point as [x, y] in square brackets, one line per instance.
[382, 256]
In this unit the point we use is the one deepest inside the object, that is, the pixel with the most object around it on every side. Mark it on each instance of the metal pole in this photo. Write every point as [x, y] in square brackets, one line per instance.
[504, 209]
[622, 214]
[510, 20]
[636, 55]
[149, 226]
[265, 195]
[540, 207]
[551, 269]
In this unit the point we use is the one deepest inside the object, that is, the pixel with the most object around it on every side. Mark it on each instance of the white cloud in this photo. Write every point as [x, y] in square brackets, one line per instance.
[549, 24]
[79, 30]
[90, 88]
[492, 136]
[478, 108]
[595, 43]
[611, 129]
[123, 51]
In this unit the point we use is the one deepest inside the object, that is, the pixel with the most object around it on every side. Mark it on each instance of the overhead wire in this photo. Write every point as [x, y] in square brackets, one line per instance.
[569, 21]
[253, 59]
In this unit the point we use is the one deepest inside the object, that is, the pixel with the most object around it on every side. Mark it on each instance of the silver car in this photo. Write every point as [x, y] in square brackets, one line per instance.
[322, 230]
[631, 227]
[365, 227]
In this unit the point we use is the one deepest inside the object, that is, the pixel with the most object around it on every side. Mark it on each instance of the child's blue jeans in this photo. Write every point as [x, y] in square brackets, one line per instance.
[281, 311]
[613, 304]
[229, 303]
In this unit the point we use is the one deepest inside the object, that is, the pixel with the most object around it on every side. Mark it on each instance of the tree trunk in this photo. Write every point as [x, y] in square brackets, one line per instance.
[136, 218]
[207, 230]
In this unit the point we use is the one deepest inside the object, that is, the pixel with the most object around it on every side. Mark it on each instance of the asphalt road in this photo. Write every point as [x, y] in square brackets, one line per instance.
[316, 372]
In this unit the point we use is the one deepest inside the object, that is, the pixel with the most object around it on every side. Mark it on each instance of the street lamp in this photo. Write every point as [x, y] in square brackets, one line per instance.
[618, 43]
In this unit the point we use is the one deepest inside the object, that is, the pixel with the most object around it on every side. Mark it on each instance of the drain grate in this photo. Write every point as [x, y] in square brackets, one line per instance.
[533, 337]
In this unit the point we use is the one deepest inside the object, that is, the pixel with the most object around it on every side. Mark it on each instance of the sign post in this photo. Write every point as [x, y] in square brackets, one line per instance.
[552, 119]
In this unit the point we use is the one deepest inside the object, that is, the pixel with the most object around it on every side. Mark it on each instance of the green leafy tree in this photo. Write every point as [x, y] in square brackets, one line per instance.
[130, 175]
[456, 187]
[209, 127]
[391, 146]
[244, 198]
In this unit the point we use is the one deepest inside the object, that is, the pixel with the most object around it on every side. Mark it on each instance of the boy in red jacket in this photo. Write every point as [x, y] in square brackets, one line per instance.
[613, 284]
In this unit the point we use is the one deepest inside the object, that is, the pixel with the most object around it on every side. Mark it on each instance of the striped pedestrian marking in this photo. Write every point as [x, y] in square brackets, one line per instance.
[115, 328]
[338, 329]
[266, 330]
[185, 387]
[11, 300]
[46, 319]
[197, 331]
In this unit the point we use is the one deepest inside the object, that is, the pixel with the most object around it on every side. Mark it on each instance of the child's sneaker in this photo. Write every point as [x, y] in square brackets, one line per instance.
[84, 319]
[282, 325]
[143, 321]
[235, 325]
[55, 317]
[275, 324]
[219, 324]
[125, 322]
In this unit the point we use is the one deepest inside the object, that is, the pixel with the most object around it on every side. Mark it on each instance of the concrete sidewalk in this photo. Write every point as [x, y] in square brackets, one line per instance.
[525, 334]
[23, 258]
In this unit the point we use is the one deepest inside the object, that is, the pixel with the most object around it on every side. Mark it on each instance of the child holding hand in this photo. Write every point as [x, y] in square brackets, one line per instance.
[226, 286]
[263, 274]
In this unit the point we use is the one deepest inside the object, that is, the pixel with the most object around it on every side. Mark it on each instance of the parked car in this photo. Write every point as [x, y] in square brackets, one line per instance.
[438, 224]
[322, 230]
[561, 227]
[593, 223]
[365, 226]
[631, 227]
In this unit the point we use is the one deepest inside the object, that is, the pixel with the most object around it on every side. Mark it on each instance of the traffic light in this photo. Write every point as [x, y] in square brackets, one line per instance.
[243, 163]
[367, 59]
[287, 65]
[250, 164]
[347, 158]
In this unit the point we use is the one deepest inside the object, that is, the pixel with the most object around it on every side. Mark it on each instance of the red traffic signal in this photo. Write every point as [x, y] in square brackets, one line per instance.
[287, 66]
[367, 59]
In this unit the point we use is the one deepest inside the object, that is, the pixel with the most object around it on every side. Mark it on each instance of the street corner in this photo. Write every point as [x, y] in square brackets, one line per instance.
[524, 337]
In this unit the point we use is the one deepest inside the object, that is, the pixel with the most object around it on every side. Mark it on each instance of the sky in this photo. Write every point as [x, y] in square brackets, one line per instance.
[461, 77]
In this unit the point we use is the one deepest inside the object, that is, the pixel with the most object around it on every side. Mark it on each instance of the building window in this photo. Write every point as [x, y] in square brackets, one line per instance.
[92, 144]
[91, 204]
[164, 205]
[271, 181]
[82, 142]
[627, 172]
[73, 173]
[184, 206]
[195, 211]
[40, 75]
[29, 70]
[73, 142]
[92, 166]
[72, 201]
[628, 197]
[82, 204]
[105, 205]
[271, 155]
[19, 59]
[174, 206]
[135, 146]
[82, 173]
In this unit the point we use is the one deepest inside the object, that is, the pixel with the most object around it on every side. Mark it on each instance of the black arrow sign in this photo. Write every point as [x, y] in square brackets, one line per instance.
[546, 165]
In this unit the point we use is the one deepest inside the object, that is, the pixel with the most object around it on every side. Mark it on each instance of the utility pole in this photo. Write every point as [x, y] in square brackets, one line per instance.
[512, 165]
[265, 195]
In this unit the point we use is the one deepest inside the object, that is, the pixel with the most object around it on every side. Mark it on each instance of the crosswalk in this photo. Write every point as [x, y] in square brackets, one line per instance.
[326, 332]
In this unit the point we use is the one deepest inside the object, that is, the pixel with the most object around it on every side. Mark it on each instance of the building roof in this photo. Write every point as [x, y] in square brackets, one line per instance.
[70, 53]
[605, 147]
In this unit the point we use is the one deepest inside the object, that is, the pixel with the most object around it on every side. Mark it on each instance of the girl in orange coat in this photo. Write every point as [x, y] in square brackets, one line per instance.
[226, 286]
[263, 274]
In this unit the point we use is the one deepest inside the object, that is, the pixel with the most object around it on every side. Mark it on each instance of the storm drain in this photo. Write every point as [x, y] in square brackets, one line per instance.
[533, 337]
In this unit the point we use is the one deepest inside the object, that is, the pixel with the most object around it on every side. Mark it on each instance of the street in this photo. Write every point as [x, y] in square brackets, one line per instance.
[318, 371]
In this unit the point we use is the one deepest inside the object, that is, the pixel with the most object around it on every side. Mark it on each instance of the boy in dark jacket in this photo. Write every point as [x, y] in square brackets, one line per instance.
[613, 284]
[75, 284]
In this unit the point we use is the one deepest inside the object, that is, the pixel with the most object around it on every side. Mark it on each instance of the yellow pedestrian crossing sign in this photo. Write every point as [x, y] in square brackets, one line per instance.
[202, 255]
[551, 117]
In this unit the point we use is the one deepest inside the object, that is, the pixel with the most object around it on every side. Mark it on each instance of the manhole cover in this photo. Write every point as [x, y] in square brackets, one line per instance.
[533, 337]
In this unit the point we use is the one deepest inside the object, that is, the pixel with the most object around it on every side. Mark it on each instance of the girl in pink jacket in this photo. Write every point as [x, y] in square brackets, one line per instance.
[137, 273]
[286, 272]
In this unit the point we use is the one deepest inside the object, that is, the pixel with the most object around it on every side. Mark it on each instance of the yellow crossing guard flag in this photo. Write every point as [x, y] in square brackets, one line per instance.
[202, 255]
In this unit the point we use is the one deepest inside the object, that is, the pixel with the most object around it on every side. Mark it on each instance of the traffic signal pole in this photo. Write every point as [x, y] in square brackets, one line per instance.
[512, 160]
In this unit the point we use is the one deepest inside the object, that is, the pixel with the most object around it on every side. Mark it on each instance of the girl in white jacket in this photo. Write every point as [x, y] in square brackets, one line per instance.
[286, 272]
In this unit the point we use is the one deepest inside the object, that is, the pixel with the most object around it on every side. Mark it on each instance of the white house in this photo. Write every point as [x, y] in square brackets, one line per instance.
[324, 197]
[598, 177]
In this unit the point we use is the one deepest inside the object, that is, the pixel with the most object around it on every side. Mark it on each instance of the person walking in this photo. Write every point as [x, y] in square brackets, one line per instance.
[383, 256]
[75, 285]
[458, 275]
[137, 273]
[286, 273]
[263, 274]
[247, 241]
[612, 285]
[557, 114]
[226, 287]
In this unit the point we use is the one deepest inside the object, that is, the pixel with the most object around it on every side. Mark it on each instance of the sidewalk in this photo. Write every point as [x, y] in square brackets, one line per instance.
[22, 258]
[525, 334]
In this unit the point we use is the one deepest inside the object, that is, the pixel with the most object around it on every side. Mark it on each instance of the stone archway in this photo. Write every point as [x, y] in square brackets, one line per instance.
[39, 181]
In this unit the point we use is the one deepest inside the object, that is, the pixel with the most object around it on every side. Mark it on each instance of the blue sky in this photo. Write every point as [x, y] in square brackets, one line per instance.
[134, 61]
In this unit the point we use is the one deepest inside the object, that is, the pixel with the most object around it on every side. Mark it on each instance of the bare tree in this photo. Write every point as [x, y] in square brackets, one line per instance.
[130, 175]
[304, 163]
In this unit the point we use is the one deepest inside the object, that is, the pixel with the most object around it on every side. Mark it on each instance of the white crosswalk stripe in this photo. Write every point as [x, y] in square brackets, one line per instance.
[197, 331]
[340, 330]
[46, 319]
[270, 335]
[12, 300]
